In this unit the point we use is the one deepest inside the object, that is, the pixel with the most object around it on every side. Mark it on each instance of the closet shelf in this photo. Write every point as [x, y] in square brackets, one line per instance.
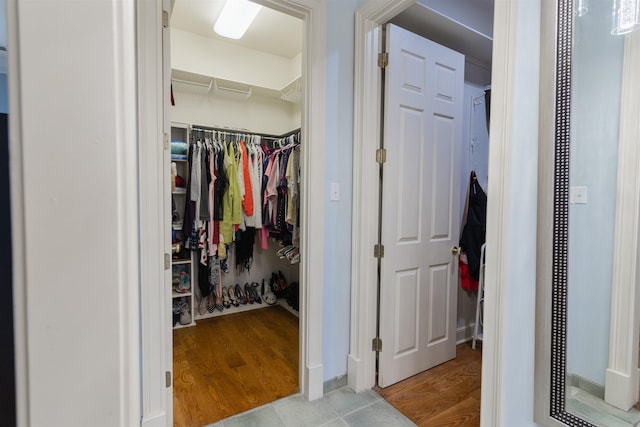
[180, 261]
[176, 294]
[179, 191]
[230, 310]
[178, 325]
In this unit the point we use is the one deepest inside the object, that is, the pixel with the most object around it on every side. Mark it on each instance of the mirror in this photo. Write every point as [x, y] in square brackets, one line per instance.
[587, 315]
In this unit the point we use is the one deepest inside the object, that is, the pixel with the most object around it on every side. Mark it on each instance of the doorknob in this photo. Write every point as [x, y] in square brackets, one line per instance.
[455, 250]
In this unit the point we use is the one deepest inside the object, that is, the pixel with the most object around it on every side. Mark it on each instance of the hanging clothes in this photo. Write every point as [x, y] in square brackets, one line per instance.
[474, 230]
[232, 202]
[238, 190]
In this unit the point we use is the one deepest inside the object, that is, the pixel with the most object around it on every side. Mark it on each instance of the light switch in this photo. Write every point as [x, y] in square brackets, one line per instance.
[578, 195]
[335, 192]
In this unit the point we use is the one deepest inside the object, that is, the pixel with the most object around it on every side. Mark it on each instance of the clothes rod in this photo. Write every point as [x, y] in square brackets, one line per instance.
[200, 128]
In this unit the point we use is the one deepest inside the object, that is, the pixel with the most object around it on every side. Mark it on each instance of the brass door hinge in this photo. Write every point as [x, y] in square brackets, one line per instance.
[383, 59]
[376, 344]
[381, 155]
[378, 250]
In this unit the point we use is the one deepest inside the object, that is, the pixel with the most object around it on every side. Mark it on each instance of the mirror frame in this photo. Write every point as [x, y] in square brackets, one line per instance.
[553, 209]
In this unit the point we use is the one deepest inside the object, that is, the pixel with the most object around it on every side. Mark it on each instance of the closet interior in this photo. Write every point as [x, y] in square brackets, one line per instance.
[235, 212]
[235, 208]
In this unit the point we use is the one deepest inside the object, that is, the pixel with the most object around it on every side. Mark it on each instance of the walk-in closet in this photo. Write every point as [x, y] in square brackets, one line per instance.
[234, 183]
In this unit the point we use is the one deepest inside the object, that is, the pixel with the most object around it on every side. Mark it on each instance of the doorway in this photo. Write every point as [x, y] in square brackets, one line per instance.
[362, 363]
[156, 307]
[236, 107]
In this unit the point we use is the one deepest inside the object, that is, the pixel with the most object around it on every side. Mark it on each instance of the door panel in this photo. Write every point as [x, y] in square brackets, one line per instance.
[420, 205]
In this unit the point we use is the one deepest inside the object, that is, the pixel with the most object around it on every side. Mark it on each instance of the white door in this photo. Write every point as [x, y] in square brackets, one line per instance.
[167, 286]
[420, 205]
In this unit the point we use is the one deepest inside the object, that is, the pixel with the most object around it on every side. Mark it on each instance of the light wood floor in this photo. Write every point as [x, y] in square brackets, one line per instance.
[229, 364]
[447, 395]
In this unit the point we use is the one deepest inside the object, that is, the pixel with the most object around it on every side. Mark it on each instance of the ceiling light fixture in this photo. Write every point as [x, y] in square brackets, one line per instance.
[235, 18]
[626, 16]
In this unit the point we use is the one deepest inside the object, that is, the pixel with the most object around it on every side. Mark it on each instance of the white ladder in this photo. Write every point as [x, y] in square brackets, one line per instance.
[477, 329]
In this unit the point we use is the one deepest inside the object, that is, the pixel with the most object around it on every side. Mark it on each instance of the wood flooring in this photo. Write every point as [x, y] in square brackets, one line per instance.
[447, 395]
[229, 364]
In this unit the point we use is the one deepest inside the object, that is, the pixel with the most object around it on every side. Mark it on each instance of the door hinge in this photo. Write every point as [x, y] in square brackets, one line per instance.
[376, 344]
[381, 155]
[167, 261]
[167, 379]
[383, 59]
[166, 141]
[165, 19]
[378, 250]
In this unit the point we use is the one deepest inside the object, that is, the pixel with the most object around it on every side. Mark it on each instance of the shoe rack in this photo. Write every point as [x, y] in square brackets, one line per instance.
[182, 267]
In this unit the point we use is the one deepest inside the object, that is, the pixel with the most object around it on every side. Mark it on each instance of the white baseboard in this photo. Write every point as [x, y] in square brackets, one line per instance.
[464, 333]
[314, 379]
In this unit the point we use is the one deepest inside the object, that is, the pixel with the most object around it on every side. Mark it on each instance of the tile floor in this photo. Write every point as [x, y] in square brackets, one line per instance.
[339, 408]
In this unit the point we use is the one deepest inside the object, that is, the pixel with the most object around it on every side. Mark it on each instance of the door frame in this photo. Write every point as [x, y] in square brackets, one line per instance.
[367, 90]
[151, 104]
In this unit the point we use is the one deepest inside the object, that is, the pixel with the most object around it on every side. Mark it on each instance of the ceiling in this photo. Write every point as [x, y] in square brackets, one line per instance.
[272, 32]
[462, 25]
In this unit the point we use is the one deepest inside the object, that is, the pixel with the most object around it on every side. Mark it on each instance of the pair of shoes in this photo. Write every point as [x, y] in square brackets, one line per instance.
[232, 296]
[267, 294]
[251, 292]
[291, 252]
[185, 314]
[256, 295]
[202, 306]
[248, 291]
[278, 284]
[219, 303]
[211, 303]
[226, 299]
[242, 298]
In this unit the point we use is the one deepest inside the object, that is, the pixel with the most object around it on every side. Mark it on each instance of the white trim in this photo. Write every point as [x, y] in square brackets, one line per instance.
[621, 379]
[124, 33]
[313, 12]
[499, 186]
[369, 17]
[154, 236]
[18, 233]
[546, 162]
[465, 333]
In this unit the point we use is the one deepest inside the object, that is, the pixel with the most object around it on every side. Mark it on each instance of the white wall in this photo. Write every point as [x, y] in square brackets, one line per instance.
[594, 158]
[258, 114]
[338, 161]
[201, 55]
[77, 251]
[514, 135]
